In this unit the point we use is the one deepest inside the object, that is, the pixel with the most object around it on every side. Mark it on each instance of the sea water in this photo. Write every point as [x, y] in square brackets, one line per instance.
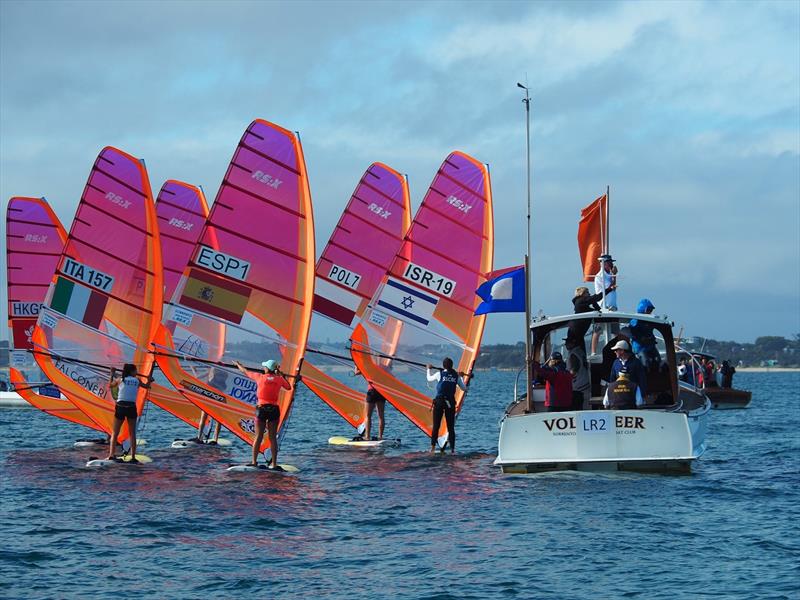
[400, 523]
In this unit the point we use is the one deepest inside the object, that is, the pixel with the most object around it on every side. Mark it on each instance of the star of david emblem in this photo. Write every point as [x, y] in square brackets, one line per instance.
[407, 302]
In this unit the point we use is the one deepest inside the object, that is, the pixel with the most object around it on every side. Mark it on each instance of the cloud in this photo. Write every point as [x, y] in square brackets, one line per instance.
[690, 111]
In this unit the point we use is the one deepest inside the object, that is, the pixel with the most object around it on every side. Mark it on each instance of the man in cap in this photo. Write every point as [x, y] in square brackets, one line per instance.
[607, 278]
[268, 411]
[633, 367]
[558, 388]
[623, 394]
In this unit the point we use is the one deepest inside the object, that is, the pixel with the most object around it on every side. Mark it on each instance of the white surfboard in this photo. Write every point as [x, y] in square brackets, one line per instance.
[89, 443]
[340, 440]
[126, 462]
[221, 443]
[261, 468]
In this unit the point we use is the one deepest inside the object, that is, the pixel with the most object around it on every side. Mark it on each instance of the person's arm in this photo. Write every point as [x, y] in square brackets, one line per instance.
[460, 383]
[115, 381]
[144, 381]
[285, 385]
[244, 371]
[432, 376]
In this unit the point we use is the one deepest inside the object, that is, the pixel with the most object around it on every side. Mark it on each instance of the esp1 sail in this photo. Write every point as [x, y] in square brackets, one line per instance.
[35, 240]
[104, 301]
[349, 270]
[430, 289]
[181, 210]
[252, 271]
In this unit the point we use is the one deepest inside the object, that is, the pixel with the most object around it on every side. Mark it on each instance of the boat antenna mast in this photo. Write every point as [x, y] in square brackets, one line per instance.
[528, 358]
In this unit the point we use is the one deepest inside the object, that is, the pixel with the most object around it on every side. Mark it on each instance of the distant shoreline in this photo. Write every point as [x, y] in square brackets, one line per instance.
[768, 369]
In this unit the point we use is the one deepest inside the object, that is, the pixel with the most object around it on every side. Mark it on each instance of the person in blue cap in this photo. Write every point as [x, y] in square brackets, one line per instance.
[643, 339]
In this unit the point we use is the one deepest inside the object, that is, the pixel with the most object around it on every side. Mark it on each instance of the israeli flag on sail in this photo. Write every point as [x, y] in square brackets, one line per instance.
[504, 291]
[407, 303]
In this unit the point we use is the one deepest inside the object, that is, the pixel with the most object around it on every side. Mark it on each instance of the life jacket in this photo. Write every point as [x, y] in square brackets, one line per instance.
[446, 388]
[622, 394]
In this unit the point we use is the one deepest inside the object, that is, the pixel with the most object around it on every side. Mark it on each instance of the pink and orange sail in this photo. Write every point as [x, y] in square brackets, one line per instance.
[182, 210]
[252, 270]
[104, 301]
[350, 268]
[35, 240]
[428, 293]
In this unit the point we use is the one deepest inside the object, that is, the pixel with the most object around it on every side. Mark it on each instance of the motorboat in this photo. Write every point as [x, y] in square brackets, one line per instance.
[667, 433]
[722, 398]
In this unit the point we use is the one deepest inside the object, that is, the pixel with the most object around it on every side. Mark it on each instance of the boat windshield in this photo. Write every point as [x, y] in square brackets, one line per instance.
[586, 345]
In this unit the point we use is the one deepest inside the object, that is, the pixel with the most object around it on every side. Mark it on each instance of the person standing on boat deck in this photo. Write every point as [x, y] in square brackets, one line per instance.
[726, 372]
[623, 393]
[633, 367]
[127, 385]
[445, 401]
[268, 413]
[583, 302]
[606, 278]
[558, 383]
[643, 339]
[578, 367]
[710, 373]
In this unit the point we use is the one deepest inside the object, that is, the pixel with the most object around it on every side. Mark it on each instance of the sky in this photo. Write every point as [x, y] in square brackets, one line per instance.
[689, 111]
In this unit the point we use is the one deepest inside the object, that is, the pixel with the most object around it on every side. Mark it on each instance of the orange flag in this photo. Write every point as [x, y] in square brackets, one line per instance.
[593, 235]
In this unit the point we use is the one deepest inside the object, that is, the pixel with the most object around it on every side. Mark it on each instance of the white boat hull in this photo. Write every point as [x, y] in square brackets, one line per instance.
[647, 440]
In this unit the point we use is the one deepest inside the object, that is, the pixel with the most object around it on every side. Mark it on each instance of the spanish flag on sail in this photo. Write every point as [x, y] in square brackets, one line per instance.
[217, 296]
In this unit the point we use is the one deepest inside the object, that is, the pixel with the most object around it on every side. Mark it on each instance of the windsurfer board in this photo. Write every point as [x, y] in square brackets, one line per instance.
[194, 444]
[125, 460]
[340, 440]
[248, 468]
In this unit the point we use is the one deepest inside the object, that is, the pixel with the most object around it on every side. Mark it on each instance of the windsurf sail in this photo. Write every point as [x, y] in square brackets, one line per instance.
[182, 210]
[430, 290]
[104, 301]
[349, 270]
[252, 271]
[35, 240]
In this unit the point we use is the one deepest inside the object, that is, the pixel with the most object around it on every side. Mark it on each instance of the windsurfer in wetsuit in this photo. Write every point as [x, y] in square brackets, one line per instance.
[127, 386]
[268, 413]
[445, 401]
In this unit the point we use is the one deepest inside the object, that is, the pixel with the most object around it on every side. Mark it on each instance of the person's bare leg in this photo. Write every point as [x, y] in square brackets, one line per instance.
[217, 428]
[380, 406]
[132, 433]
[595, 339]
[272, 431]
[368, 421]
[112, 447]
[257, 440]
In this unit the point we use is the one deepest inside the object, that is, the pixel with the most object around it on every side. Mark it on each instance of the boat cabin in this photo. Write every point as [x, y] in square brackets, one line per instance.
[585, 342]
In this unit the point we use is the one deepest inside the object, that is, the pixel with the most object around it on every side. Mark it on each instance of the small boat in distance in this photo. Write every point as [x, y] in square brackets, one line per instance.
[722, 398]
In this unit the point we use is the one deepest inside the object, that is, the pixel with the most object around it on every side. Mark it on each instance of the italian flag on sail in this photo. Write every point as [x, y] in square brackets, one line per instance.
[79, 302]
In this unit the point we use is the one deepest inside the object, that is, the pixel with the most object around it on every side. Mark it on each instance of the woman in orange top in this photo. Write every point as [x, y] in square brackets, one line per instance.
[268, 413]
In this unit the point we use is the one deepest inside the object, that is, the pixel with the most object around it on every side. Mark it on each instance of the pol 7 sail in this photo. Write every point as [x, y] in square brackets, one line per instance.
[349, 270]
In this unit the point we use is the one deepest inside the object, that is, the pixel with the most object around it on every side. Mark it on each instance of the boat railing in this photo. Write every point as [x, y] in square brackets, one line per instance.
[517, 397]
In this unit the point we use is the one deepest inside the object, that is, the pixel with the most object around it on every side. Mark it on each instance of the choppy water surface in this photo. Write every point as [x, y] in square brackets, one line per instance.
[401, 523]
